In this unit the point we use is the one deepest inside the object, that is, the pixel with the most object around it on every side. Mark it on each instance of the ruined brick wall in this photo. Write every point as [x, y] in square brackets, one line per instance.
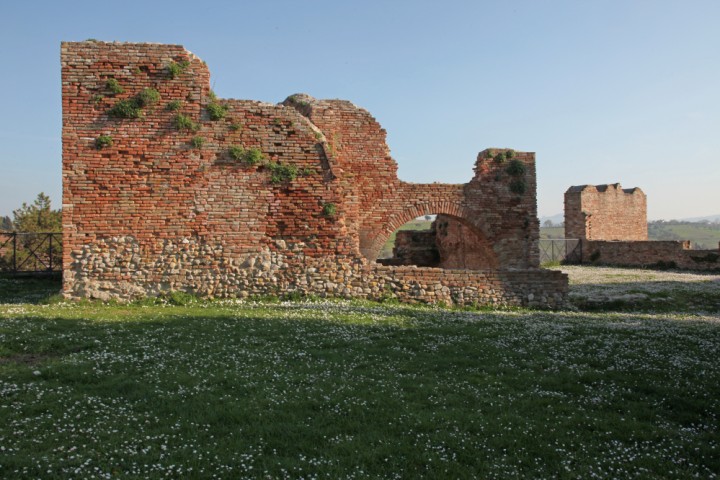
[605, 212]
[449, 244]
[169, 201]
[415, 247]
[655, 253]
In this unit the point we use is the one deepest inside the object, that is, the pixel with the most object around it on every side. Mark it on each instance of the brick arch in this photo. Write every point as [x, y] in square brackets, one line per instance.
[372, 238]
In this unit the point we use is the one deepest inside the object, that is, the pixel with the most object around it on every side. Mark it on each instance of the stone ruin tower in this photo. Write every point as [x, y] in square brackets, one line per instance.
[167, 187]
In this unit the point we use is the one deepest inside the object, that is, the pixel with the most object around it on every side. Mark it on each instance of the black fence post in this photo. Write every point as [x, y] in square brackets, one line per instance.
[14, 252]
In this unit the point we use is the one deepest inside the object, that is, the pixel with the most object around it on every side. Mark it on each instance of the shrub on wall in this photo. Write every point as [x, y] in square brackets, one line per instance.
[216, 111]
[147, 97]
[183, 122]
[329, 210]
[103, 141]
[280, 173]
[518, 186]
[197, 142]
[125, 109]
[516, 168]
[174, 69]
[132, 107]
[114, 86]
[252, 156]
[174, 105]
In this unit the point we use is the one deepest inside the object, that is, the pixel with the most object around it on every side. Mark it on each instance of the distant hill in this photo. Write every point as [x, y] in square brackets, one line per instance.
[709, 218]
[556, 219]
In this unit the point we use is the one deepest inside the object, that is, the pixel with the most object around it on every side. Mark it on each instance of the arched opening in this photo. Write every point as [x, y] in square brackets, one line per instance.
[439, 241]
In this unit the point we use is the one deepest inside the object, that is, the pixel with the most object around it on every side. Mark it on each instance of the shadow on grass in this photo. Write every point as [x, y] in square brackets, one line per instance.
[33, 289]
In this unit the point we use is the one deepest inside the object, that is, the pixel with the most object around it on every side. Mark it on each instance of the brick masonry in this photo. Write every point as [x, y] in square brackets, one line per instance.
[164, 209]
[654, 253]
[449, 244]
[605, 212]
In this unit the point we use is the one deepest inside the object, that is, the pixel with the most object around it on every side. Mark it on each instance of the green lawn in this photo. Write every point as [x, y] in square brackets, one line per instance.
[354, 390]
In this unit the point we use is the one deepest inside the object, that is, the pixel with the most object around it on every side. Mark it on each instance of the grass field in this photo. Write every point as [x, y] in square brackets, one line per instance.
[361, 390]
[702, 235]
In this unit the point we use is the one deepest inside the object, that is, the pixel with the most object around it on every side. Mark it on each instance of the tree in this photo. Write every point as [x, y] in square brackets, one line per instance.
[548, 223]
[37, 217]
[31, 250]
[5, 224]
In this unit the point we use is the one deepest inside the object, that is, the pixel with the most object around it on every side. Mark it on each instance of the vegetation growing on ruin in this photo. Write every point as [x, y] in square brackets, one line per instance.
[132, 107]
[329, 210]
[127, 108]
[516, 168]
[113, 86]
[251, 156]
[174, 105]
[216, 111]
[281, 173]
[103, 141]
[175, 69]
[197, 142]
[518, 186]
[147, 97]
[184, 122]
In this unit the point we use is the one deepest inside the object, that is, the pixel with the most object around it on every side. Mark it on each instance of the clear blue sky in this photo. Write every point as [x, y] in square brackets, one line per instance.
[604, 91]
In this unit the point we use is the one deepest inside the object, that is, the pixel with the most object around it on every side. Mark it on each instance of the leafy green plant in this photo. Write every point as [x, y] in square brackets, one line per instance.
[175, 69]
[516, 168]
[236, 126]
[216, 111]
[183, 122]
[251, 156]
[277, 122]
[212, 95]
[281, 173]
[147, 97]
[308, 171]
[197, 142]
[127, 108]
[132, 107]
[236, 153]
[174, 105]
[518, 186]
[114, 86]
[103, 141]
[329, 210]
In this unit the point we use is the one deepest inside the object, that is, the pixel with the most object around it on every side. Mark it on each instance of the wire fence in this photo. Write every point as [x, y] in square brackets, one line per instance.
[30, 252]
[562, 250]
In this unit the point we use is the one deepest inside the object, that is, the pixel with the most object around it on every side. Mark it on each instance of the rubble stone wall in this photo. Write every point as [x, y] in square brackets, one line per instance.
[166, 187]
[605, 212]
